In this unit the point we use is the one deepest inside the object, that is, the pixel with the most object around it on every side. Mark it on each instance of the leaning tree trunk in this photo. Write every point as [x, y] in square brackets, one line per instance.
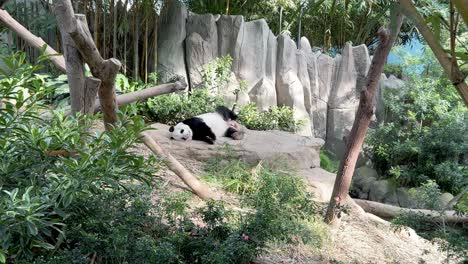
[452, 70]
[361, 123]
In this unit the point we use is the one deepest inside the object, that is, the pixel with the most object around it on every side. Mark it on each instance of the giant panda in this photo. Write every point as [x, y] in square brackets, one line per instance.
[208, 127]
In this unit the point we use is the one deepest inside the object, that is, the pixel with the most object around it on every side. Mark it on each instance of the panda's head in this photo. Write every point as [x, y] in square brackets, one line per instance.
[181, 131]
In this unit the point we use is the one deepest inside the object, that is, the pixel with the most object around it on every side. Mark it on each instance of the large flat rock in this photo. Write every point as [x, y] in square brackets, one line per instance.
[270, 146]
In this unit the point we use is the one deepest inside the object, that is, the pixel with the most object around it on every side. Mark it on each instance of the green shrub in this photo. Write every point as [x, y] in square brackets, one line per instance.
[276, 118]
[48, 166]
[284, 209]
[392, 69]
[423, 137]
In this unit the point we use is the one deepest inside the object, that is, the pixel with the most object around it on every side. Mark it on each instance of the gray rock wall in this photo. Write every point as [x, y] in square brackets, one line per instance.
[323, 91]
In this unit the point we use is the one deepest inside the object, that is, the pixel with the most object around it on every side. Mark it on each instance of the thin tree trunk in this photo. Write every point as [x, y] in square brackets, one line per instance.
[146, 50]
[453, 71]
[156, 27]
[135, 43]
[104, 33]
[31, 39]
[114, 36]
[125, 37]
[227, 8]
[97, 14]
[361, 123]
[75, 70]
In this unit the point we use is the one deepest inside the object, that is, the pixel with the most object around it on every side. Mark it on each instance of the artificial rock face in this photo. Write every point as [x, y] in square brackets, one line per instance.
[322, 91]
[201, 45]
[171, 39]
[289, 88]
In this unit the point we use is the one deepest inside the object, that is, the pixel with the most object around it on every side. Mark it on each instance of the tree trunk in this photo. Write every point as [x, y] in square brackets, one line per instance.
[104, 33]
[361, 123]
[453, 71]
[388, 211]
[97, 11]
[145, 48]
[31, 39]
[114, 33]
[156, 25]
[105, 70]
[75, 71]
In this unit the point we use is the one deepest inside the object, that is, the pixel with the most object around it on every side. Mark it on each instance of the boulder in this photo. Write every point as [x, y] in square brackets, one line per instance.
[230, 36]
[391, 198]
[378, 190]
[269, 146]
[321, 183]
[444, 199]
[171, 39]
[363, 178]
[201, 45]
[289, 89]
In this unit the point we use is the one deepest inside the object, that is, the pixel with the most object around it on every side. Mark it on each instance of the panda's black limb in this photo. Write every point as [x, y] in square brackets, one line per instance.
[226, 113]
[201, 131]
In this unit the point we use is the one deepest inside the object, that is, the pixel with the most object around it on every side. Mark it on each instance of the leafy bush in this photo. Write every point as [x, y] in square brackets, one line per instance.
[276, 118]
[48, 166]
[424, 136]
[284, 208]
[392, 69]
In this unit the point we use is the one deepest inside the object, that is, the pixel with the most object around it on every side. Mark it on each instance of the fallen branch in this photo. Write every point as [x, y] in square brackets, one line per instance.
[185, 175]
[387, 211]
[144, 94]
[32, 40]
[128, 98]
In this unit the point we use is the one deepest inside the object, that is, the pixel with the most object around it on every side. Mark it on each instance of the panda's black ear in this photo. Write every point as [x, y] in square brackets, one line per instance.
[171, 129]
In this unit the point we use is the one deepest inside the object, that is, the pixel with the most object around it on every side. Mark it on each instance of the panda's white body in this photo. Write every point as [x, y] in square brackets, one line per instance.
[216, 122]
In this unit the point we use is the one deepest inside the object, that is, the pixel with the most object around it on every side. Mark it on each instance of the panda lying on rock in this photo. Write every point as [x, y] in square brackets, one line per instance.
[209, 126]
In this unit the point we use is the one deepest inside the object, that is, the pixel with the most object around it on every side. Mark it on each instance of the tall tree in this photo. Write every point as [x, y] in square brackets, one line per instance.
[362, 121]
